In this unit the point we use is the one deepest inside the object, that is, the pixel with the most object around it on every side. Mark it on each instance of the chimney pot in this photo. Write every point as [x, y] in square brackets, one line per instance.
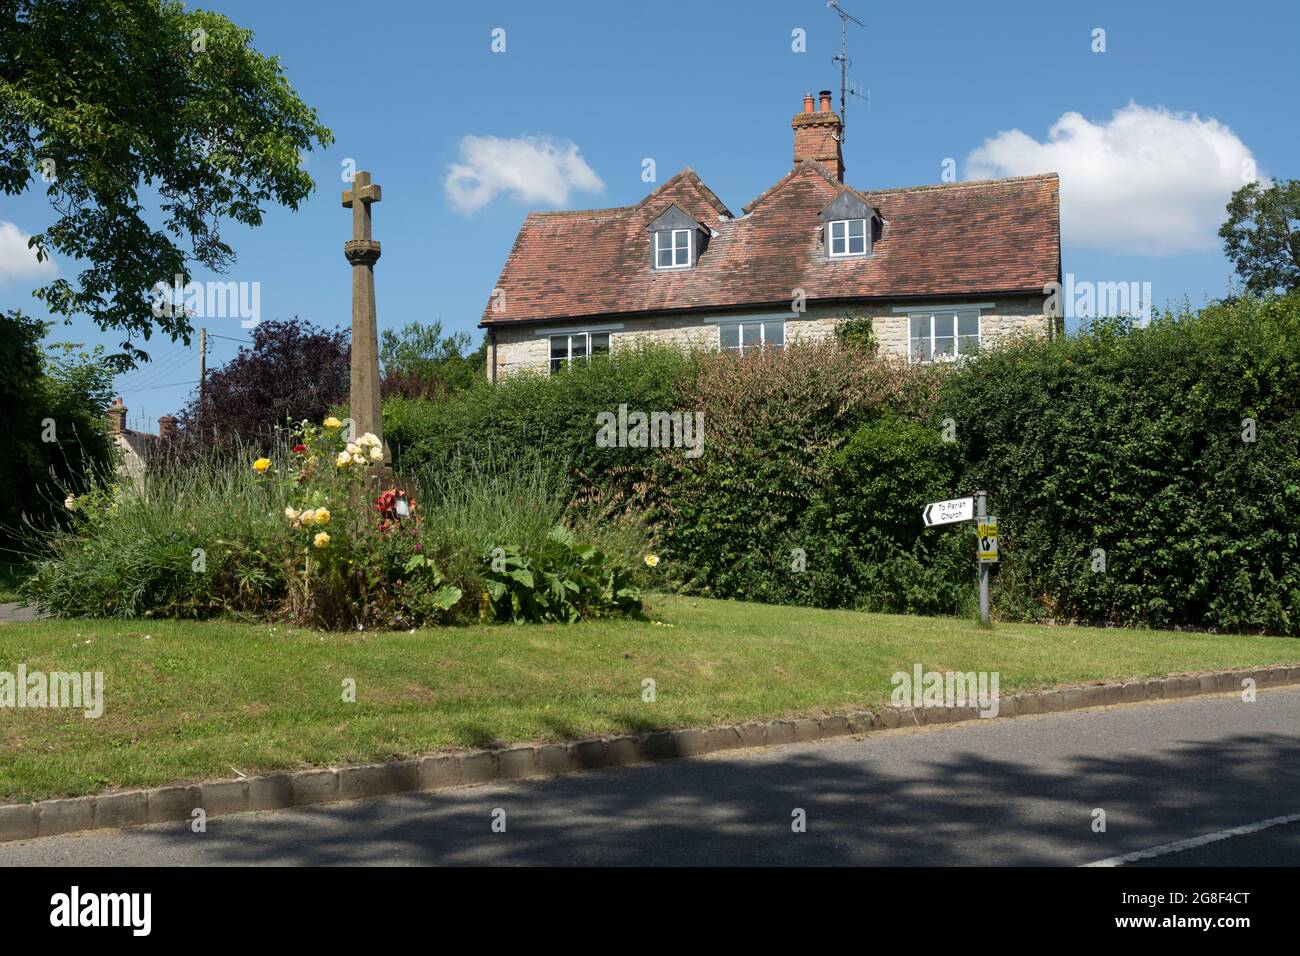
[826, 101]
[807, 102]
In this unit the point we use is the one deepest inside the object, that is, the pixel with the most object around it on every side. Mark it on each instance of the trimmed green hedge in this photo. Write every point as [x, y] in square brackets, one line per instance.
[1126, 445]
[555, 414]
[1114, 458]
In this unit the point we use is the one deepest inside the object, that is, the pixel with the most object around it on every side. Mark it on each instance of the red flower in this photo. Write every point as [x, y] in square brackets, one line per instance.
[299, 448]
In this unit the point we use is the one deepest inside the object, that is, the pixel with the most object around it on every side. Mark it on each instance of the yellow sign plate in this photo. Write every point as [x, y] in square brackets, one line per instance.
[987, 548]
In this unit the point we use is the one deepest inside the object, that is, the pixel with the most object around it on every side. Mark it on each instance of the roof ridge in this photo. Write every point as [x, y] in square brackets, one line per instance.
[962, 184]
[577, 212]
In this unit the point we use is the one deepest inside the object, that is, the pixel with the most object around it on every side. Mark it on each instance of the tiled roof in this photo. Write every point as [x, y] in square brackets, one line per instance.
[967, 238]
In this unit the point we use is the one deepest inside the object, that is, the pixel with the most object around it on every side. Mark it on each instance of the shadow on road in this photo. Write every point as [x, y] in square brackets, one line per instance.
[864, 805]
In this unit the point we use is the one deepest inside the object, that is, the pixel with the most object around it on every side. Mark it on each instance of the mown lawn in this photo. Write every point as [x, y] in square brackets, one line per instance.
[188, 701]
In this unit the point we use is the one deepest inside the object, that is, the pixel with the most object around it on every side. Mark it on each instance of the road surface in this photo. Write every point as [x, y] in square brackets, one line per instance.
[1021, 791]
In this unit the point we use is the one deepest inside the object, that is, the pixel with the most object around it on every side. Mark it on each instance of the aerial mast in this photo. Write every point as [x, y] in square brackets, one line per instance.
[843, 58]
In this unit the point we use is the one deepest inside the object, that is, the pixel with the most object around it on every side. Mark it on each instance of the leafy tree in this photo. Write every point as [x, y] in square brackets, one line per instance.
[55, 401]
[419, 361]
[100, 98]
[1262, 236]
[293, 371]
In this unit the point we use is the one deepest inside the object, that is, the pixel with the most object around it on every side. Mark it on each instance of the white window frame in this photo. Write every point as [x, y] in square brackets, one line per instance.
[950, 313]
[569, 337]
[762, 333]
[845, 238]
[672, 240]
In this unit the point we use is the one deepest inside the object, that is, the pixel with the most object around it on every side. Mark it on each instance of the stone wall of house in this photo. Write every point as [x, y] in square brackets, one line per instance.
[528, 347]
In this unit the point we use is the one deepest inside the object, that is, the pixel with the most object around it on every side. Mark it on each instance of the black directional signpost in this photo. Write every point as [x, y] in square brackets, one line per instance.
[966, 509]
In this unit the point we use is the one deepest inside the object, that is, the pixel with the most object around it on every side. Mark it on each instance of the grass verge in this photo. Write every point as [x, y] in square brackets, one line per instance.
[187, 700]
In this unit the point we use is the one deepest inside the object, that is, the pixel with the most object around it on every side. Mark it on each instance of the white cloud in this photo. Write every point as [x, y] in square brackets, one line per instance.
[16, 260]
[533, 169]
[1148, 181]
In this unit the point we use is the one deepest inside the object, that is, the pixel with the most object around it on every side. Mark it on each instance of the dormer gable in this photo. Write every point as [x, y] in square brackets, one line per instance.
[850, 225]
[676, 239]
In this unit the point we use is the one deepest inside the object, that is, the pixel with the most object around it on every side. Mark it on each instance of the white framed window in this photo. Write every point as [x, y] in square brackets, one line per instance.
[570, 347]
[673, 248]
[943, 335]
[747, 336]
[848, 237]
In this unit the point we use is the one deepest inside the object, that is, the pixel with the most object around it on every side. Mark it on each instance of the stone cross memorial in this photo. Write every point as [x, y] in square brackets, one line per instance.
[363, 252]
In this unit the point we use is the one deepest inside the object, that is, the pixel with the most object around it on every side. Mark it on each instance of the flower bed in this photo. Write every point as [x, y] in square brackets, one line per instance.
[301, 536]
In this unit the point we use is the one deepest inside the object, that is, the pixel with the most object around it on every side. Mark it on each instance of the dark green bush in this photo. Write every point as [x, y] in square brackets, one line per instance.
[59, 393]
[765, 513]
[1129, 441]
[555, 414]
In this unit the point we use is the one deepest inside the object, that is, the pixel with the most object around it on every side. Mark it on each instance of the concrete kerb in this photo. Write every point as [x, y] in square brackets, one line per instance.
[444, 771]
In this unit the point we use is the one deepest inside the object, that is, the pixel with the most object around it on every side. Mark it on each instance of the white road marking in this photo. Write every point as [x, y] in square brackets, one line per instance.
[1194, 842]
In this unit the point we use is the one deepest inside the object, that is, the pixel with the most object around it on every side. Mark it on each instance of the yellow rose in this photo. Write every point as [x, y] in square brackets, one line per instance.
[261, 465]
[322, 540]
[652, 560]
[343, 459]
[322, 516]
[290, 514]
[376, 454]
[333, 423]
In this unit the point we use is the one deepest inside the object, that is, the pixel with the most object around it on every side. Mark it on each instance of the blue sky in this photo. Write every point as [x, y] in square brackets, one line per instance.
[1184, 94]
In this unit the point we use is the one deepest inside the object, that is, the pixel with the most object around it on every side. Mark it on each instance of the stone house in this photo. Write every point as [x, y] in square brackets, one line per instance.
[134, 447]
[939, 269]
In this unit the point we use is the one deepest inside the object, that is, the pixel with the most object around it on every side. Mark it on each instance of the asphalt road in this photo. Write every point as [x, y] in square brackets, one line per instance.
[998, 792]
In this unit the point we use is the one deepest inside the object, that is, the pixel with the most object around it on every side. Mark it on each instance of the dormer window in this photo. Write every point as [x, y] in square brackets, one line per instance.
[848, 237]
[677, 240]
[673, 249]
[849, 226]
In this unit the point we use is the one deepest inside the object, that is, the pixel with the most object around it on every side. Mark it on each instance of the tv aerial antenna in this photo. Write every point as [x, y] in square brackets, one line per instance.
[843, 60]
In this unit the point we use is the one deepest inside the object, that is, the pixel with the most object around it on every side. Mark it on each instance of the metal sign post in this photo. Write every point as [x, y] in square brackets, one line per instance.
[986, 547]
[981, 512]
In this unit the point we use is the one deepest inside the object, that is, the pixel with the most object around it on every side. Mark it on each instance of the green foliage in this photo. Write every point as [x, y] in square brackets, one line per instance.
[736, 520]
[420, 362]
[554, 415]
[60, 393]
[561, 581]
[858, 332]
[1129, 441]
[1262, 236]
[214, 536]
[103, 98]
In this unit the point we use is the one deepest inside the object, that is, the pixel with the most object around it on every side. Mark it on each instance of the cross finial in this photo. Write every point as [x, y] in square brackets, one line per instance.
[362, 189]
[367, 193]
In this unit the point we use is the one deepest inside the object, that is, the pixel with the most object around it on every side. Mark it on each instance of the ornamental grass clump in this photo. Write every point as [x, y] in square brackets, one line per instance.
[297, 533]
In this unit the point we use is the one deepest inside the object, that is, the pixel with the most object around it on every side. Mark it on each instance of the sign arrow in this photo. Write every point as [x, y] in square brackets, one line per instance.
[948, 512]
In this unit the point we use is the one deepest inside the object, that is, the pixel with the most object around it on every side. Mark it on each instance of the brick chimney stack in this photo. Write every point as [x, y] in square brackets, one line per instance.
[817, 134]
[117, 416]
[166, 426]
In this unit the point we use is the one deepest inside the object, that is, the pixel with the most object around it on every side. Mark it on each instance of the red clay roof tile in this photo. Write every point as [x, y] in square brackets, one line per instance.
[967, 238]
